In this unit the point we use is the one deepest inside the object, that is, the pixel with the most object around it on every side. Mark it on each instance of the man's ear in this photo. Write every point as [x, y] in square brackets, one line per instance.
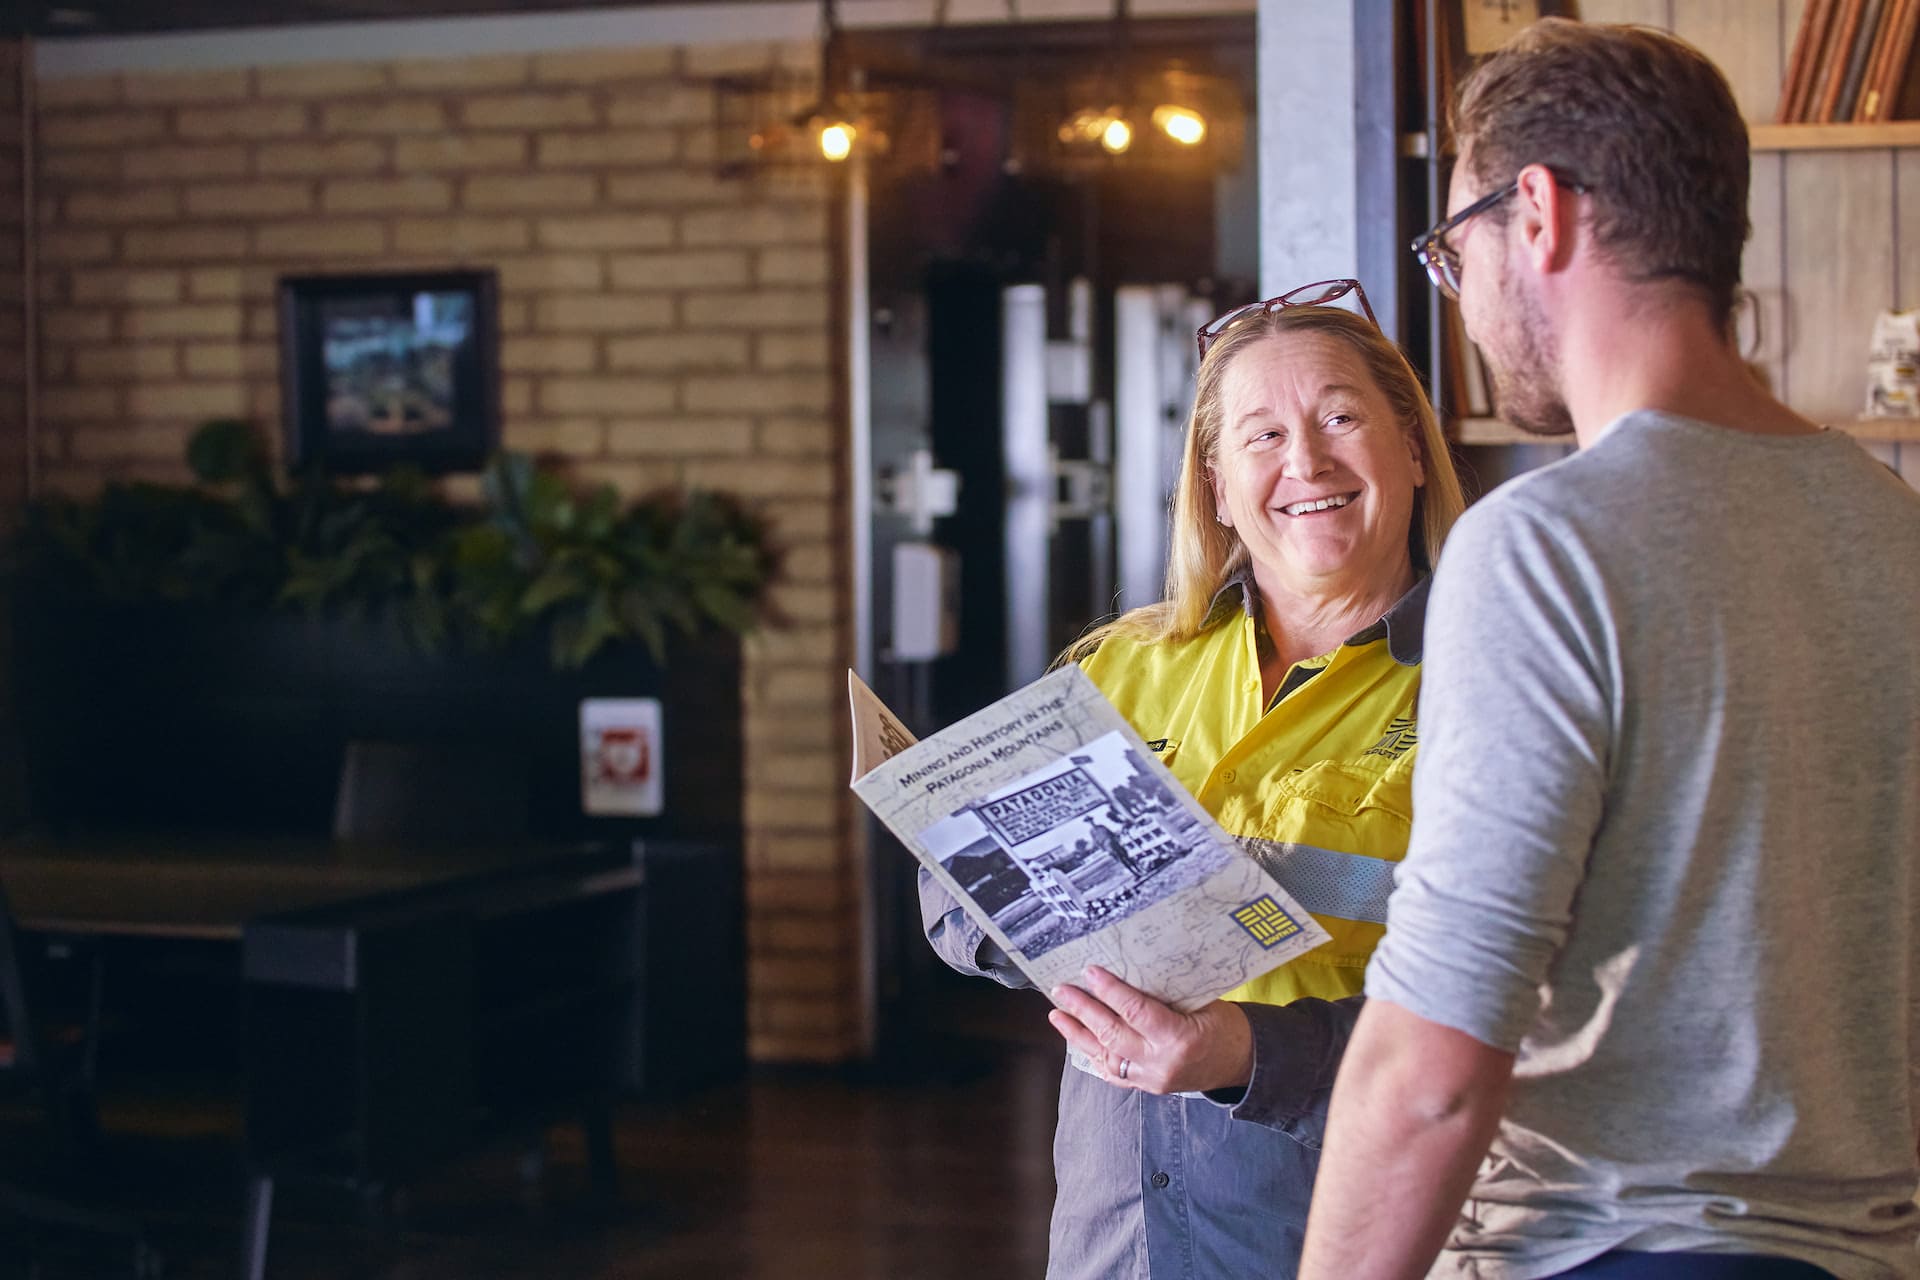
[1546, 210]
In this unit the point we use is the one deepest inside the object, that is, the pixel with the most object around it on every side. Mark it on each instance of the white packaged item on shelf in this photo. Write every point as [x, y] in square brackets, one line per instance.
[1893, 366]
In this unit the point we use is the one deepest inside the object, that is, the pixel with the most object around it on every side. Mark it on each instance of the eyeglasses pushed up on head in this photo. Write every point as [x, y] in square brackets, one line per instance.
[1319, 293]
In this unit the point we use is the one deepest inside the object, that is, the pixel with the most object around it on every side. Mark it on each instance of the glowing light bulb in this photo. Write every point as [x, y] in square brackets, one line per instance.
[1117, 136]
[1181, 124]
[836, 141]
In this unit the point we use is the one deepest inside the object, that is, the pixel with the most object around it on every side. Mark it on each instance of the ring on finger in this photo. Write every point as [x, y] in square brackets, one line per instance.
[1125, 1063]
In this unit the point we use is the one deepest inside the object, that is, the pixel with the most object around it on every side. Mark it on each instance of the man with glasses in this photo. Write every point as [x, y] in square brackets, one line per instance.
[1654, 951]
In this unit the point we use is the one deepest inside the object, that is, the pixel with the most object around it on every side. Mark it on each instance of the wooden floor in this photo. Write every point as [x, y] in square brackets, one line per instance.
[938, 1167]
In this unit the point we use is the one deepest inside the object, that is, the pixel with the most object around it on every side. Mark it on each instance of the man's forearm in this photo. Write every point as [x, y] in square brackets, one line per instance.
[1414, 1109]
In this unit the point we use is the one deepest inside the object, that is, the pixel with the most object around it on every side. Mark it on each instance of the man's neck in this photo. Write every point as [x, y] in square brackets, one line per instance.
[1665, 354]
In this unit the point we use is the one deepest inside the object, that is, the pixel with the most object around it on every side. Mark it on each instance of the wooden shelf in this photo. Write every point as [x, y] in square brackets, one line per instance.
[1834, 137]
[1492, 431]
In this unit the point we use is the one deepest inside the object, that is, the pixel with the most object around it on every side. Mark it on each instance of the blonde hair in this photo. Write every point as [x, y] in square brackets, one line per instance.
[1206, 554]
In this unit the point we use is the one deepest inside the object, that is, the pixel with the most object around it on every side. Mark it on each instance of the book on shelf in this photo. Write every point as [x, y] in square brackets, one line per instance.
[1467, 380]
[1865, 41]
[1833, 72]
[1062, 836]
[1809, 52]
[1893, 83]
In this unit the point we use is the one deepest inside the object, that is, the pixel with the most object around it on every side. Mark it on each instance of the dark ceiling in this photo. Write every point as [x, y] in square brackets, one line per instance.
[126, 17]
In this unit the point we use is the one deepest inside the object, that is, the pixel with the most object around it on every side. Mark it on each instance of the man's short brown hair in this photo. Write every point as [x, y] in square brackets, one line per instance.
[1641, 117]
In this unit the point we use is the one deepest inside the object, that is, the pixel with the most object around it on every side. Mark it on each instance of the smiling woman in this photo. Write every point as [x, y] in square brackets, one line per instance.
[1278, 681]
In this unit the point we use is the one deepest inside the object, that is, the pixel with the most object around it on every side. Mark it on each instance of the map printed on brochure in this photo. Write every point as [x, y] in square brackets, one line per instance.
[1053, 825]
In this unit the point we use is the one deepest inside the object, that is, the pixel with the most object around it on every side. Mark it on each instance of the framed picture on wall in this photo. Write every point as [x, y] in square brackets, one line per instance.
[379, 371]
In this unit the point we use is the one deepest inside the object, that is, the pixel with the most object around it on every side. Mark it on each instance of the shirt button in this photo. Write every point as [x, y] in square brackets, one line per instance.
[1227, 776]
[1160, 1181]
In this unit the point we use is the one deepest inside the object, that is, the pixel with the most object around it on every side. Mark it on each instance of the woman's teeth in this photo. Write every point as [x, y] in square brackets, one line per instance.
[1318, 504]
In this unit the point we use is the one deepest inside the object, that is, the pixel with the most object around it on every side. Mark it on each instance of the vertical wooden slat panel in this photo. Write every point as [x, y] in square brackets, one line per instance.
[1650, 13]
[1743, 39]
[1839, 267]
[1906, 231]
[1761, 271]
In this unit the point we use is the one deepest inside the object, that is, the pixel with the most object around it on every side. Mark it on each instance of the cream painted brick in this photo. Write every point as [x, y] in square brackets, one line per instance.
[128, 286]
[529, 111]
[250, 199]
[606, 231]
[521, 191]
[257, 120]
[551, 271]
[792, 521]
[678, 437]
[764, 224]
[76, 91]
[782, 809]
[794, 265]
[491, 72]
[801, 59]
[197, 400]
[679, 351]
[516, 396]
[572, 437]
[460, 236]
[605, 395]
[332, 159]
[791, 351]
[601, 313]
[817, 1050]
[260, 361]
[322, 238]
[185, 244]
[71, 404]
[595, 66]
[800, 436]
[221, 284]
[763, 477]
[73, 324]
[608, 148]
[700, 145]
[137, 440]
[664, 188]
[789, 852]
[215, 360]
[81, 166]
[662, 103]
[814, 562]
[805, 602]
[809, 893]
[528, 354]
[116, 364]
[227, 160]
[322, 80]
[202, 320]
[777, 975]
[763, 309]
[263, 401]
[736, 59]
[408, 116]
[387, 195]
[124, 205]
[263, 321]
[792, 733]
[516, 316]
[461, 151]
[166, 87]
[61, 245]
[99, 128]
[760, 393]
[711, 268]
[632, 479]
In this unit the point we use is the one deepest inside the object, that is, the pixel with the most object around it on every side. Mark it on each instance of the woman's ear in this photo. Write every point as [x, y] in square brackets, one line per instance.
[1220, 513]
[1415, 453]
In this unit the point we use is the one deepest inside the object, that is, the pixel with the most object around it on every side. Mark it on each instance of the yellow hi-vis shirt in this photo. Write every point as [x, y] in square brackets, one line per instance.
[1318, 788]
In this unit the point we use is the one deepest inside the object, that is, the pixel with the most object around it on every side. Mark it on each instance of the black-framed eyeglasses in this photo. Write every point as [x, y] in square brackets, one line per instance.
[1317, 294]
[1441, 259]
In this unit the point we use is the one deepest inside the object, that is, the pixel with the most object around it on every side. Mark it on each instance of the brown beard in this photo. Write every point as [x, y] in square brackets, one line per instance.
[1524, 385]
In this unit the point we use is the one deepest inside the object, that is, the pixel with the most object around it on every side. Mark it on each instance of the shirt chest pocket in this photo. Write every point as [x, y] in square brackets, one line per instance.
[1332, 833]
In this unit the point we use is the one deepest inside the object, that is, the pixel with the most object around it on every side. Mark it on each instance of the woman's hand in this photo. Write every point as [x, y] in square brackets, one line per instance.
[1139, 1043]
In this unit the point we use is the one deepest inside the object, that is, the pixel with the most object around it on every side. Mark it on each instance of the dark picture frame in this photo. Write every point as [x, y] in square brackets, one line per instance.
[388, 370]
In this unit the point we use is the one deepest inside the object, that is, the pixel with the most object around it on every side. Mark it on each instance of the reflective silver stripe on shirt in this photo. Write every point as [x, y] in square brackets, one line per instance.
[1349, 886]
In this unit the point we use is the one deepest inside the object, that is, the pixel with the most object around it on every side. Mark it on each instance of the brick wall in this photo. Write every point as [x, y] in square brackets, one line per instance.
[660, 325]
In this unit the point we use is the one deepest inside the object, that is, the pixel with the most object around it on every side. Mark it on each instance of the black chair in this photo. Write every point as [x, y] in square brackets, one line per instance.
[54, 1066]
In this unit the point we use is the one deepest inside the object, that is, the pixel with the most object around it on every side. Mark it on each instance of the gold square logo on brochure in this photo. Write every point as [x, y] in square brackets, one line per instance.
[1266, 922]
[1401, 737]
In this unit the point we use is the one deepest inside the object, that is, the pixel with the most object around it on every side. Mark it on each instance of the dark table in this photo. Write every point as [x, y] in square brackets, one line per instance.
[397, 1000]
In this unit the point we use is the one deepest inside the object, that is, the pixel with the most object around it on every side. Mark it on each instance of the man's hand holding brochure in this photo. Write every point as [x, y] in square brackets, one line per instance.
[1048, 819]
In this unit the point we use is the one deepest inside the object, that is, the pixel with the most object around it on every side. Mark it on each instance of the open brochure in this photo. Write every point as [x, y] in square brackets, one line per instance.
[1052, 823]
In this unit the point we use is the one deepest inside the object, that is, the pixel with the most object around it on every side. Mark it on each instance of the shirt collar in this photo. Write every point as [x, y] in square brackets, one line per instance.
[1404, 625]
